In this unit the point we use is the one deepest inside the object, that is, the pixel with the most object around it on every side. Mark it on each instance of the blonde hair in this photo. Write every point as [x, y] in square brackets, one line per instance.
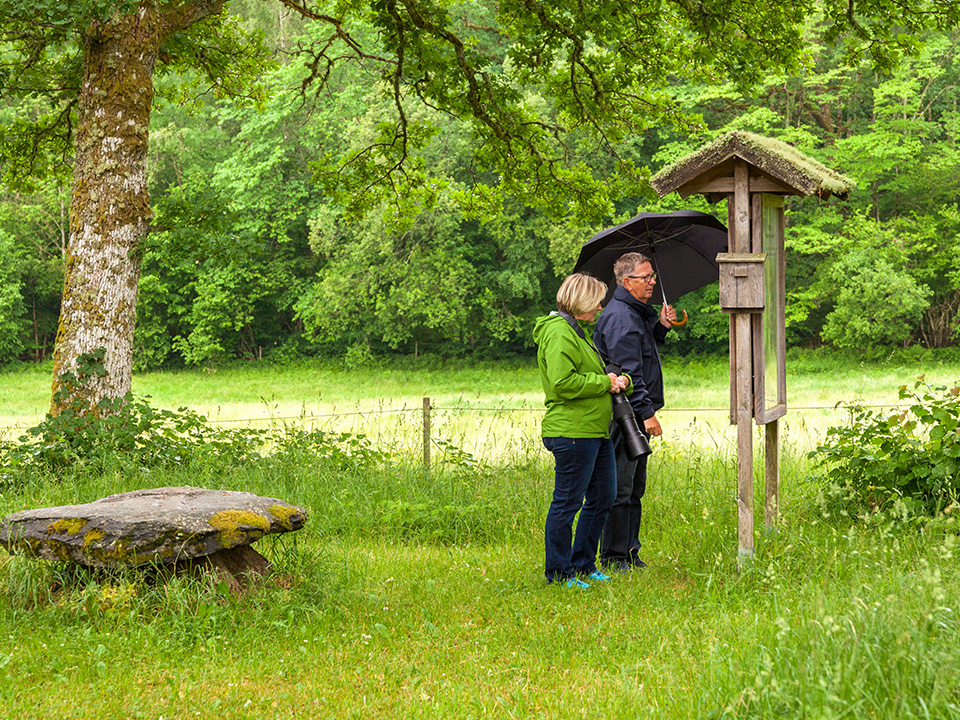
[626, 264]
[580, 293]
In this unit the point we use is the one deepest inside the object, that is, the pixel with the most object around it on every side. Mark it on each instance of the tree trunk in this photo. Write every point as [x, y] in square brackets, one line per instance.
[110, 206]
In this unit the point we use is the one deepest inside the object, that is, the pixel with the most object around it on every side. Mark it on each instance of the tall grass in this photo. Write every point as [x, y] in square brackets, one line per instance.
[368, 617]
[415, 594]
[356, 399]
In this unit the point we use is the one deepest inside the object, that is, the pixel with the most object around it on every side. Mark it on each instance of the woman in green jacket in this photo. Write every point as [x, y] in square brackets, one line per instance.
[575, 429]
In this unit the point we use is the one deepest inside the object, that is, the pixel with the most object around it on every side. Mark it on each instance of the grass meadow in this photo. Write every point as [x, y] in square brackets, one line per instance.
[415, 594]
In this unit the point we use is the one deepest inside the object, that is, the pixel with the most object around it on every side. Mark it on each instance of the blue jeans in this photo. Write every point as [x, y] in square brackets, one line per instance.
[586, 477]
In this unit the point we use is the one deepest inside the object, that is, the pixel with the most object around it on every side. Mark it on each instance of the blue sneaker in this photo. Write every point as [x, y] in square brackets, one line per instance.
[597, 576]
[577, 583]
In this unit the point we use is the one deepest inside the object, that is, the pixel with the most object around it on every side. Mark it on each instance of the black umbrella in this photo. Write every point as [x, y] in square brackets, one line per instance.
[683, 246]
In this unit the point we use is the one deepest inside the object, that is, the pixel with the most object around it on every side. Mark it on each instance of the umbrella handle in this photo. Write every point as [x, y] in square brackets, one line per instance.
[682, 322]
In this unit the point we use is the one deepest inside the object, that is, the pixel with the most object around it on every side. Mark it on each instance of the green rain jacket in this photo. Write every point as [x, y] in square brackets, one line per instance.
[576, 389]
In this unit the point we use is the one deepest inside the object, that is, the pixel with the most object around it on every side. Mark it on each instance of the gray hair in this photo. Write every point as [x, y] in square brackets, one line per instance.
[626, 264]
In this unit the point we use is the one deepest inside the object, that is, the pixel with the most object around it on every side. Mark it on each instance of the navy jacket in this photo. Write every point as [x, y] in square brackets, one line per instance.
[627, 333]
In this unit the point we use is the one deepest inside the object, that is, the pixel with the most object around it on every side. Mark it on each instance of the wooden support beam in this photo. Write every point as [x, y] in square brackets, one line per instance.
[731, 243]
[772, 474]
[726, 184]
[426, 434]
[741, 208]
[744, 437]
[744, 369]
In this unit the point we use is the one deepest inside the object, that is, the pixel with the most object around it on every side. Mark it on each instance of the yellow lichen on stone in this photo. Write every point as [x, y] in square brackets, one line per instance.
[120, 553]
[283, 513]
[30, 546]
[60, 550]
[67, 526]
[92, 537]
[238, 527]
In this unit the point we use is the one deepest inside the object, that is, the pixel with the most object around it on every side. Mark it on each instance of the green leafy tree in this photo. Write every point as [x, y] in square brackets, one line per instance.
[539, 84]
[11, 302]
[874, 303]
[895, 133]
[93, 64]
[37, 225]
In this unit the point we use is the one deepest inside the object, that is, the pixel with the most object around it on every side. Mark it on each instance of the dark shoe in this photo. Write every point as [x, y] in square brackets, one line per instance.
[637, 563]
[617, 566]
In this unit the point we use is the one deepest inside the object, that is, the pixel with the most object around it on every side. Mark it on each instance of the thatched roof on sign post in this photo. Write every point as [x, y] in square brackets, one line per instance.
[776, 161]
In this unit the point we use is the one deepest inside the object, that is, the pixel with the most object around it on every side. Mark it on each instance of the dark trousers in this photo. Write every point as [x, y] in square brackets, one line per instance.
[585, 482]
[621, 534]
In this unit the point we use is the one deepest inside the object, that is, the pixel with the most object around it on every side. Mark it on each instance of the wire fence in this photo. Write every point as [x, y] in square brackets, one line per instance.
[493, 432]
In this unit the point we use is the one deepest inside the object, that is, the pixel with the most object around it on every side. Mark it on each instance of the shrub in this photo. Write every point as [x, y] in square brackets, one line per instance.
[337, 451]
[912, 454]
[127, 431]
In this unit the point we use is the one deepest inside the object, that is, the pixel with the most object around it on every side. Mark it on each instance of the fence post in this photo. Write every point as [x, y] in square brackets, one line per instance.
[426, 434]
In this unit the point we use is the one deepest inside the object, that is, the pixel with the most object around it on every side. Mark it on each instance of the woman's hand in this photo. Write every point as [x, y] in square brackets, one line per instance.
[618, 382]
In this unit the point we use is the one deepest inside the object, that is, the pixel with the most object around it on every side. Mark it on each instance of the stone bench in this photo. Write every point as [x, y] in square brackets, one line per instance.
[173, 527]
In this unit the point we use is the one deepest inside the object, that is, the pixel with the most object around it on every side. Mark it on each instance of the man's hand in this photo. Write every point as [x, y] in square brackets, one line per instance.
[668, 316]
[652, 426]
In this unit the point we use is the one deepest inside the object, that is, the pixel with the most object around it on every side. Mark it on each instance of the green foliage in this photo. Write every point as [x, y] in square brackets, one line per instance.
[12, 325]
[875, 302]
[553, 94]
[317, 203]
[217, 55]
[42, 67]
[911, 456]
[33, 229]
[336, 452]
[445, 282]
[126, 432]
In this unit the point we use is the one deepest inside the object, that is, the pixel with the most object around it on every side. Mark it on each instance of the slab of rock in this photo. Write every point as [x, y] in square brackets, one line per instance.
[162, 525]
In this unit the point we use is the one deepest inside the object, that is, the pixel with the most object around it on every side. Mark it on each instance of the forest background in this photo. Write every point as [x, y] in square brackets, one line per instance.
[251, 257]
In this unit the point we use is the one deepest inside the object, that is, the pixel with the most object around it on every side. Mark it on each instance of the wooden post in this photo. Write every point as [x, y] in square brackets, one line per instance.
[772, 472]
[744, 438]
[732, 246]
[744, 371]
[426, 434]
[741, 208]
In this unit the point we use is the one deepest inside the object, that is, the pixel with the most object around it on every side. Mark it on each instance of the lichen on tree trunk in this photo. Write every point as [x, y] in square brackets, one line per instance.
[110, 207]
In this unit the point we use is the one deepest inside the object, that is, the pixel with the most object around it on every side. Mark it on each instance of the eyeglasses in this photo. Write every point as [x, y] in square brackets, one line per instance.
[644, 278]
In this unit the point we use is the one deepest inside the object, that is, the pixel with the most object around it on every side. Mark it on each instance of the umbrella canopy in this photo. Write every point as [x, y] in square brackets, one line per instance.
[683, 246]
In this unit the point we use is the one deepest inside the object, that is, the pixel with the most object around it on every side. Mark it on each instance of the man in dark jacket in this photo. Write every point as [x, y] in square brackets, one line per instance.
[627, 333]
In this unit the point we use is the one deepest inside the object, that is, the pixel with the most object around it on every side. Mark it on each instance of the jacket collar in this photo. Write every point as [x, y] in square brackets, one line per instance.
[645, 310]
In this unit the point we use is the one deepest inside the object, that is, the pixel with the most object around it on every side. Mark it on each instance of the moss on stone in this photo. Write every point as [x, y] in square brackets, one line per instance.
[67, 526]
[238, 527]
[120, 552]
[32, 547]
[283, 514]
[91, 538]
[60, 550]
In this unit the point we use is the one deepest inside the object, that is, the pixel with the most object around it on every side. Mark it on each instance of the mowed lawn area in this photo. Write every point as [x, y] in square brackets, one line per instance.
[414, 594]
